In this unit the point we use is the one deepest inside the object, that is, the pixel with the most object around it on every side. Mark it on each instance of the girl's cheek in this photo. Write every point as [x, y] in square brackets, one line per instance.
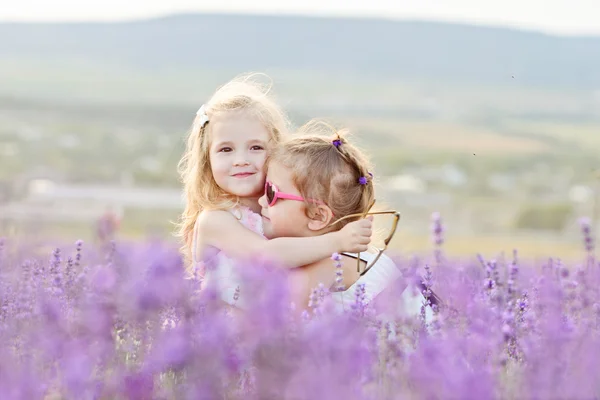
[262, 158]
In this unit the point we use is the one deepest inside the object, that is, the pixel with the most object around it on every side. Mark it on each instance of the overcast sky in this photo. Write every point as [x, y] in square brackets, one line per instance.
[553, 16]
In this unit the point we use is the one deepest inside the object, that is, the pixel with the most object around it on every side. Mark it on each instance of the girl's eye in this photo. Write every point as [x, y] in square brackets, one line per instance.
[225, 150]
[257, 147]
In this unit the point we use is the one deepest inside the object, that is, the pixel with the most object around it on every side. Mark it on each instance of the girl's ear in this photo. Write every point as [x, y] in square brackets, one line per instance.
[321, 217]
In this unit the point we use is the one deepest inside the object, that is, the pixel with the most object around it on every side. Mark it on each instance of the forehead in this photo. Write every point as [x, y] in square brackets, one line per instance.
[282, 177]
[237, 127]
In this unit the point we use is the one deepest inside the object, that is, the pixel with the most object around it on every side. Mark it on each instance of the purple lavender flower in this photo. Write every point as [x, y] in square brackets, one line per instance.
[586, 229]
[339, 272]
[507, 331]
[512, 276]
[437, 229]
[138, 385]
[172, 351]
[481, 261]
[104, 280]
[313, 300]
[56, 273]
[134, 327]
[78, 245]
[359, 304]
[489, 284]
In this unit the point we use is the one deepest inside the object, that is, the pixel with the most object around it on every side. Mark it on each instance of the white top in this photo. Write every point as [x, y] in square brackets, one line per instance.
[221, 272]
[376, 279]
[379, 277]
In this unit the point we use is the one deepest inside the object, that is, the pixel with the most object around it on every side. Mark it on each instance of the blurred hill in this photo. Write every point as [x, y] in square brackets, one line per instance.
[365, 47]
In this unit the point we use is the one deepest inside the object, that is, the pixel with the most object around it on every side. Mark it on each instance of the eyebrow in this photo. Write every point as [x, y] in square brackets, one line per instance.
[257, 141]
[221, 144]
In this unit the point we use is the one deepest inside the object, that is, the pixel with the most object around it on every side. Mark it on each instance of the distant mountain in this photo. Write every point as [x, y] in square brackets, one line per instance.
[374, 47]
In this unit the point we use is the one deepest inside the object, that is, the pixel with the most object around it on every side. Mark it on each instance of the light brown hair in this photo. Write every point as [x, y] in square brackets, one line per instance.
[326, 172]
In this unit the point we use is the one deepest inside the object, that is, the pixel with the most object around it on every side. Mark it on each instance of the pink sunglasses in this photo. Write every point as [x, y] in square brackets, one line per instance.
[273, 194]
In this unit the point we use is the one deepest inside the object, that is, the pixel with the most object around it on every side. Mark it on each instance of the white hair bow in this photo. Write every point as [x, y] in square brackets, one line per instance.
[203, 117]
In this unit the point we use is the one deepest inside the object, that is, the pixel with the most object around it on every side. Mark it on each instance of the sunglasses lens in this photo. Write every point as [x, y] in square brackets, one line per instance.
[270, 193]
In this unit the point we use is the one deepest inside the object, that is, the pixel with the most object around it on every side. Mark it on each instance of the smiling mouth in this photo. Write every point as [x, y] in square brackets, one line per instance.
[243, 174]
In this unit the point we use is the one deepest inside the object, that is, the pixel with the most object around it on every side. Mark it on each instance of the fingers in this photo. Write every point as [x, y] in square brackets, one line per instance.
[366, 231]
[359, 243]
[365, 223]
[361, 249]
[360, 233]
[364, 238]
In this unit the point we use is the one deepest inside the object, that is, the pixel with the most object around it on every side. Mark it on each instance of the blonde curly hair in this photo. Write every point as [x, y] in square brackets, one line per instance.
[244, 93]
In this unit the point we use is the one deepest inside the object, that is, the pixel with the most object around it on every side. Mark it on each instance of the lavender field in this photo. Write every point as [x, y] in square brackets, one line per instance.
[118, 320]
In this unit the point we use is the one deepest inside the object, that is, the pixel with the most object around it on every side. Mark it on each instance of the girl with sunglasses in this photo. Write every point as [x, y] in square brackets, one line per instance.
[318, 184]
[223, 172]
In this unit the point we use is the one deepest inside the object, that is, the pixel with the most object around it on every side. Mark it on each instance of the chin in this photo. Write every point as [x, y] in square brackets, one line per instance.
[251, 192]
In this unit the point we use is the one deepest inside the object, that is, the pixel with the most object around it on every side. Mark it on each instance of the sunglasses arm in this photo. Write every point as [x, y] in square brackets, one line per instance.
[386, 241]
[396, 214]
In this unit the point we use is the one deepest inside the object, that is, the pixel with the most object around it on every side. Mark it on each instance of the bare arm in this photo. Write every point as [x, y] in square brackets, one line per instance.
[223, 231]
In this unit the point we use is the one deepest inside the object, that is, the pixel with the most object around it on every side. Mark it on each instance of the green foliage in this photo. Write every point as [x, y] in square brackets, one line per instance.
[544, 216]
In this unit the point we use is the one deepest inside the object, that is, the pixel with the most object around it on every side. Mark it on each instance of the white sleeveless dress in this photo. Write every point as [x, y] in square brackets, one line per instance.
[219, 271]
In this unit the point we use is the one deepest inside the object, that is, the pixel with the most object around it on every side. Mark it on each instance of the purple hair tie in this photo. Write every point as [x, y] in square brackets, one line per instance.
[337, 143]
[363, 180]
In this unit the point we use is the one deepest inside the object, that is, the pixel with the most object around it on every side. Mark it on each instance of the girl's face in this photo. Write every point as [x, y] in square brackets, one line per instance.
[286, 218]
[237, 152]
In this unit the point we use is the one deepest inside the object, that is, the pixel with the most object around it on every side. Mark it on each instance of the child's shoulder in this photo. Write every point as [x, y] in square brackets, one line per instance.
[209, 219]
